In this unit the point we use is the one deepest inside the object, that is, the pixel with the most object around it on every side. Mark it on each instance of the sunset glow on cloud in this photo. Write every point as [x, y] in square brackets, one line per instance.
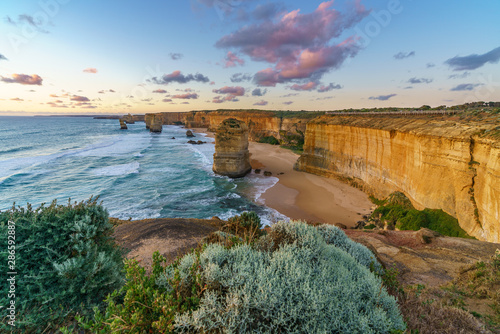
[300, 55]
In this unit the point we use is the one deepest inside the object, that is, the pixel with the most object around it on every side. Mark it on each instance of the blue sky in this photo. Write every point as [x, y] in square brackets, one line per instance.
[73, 56]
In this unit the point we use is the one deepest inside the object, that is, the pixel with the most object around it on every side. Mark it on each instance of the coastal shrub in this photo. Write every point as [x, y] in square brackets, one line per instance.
[246, 226]
[304, 286]
[269, 140]
[66, 262]
[445, 224]
[414, 220]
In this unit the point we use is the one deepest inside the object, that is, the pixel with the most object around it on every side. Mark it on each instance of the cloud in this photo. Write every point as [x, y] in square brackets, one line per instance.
[266, 11]
[403, 55]
[297, 45]
[236, 91]
[306, 87]
[382, 97]
[464, 87]
[16, 99]
[331, 86]
[288, 102]
[231, 93]
[460, 76]
[430, 65]
[474, 61]
[160, 91]
[30, 20]
[261, 103]
[240, 77]
[232, 60]
[290, 95]
[166, 100]
[187, 96]
[90, 70]
[2, 57]
[212, 83]
[106, 91]
[259, 92]
[79, 98]
[178, 77]
[175, 56]
[419, 80]
[23, 79]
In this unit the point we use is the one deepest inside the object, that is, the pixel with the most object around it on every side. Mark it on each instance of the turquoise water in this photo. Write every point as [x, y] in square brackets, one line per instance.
[137, 174]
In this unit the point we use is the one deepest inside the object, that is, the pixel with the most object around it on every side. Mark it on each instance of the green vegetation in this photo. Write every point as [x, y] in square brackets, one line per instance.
[269, 140]
[397, 211]
[66, 260]
[296, 278]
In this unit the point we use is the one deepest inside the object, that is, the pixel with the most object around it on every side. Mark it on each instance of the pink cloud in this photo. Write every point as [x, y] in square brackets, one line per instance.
[261, 103]
[166, 100]
[16, 99]
[186, 96]
[236, 90]
[212, 83]
[79, 98]
[90, 70]
[232, 60]
[308, 86]
[23, 79]
[160, 91]
[288, 102]
[298, 45]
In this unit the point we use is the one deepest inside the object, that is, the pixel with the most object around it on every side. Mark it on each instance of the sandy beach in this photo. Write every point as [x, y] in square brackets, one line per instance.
[300, 195]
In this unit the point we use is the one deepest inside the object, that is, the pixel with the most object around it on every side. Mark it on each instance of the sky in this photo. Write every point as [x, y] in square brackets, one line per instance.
[128, 56]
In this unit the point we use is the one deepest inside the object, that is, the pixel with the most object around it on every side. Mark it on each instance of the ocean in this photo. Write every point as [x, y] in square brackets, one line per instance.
[137, 174]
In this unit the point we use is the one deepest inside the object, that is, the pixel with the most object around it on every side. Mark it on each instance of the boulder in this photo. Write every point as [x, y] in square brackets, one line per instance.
[231, 157]
[123, 125]
[267, 173]
[189, 133]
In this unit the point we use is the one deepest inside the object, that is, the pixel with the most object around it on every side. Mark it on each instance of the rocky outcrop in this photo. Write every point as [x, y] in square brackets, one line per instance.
[438, 164]
[156, 124]
[129, 119]
[231, 157]
[123, 125]
[189, 134]
[148, 119]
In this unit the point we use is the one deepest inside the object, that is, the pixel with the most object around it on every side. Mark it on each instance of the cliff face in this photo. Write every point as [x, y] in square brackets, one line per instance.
[231, 157]
[437, 164]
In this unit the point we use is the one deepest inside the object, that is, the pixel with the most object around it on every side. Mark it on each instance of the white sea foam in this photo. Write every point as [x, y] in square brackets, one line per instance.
[117, 170]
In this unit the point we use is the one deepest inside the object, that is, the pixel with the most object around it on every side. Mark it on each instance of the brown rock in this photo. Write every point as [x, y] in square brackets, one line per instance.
[189, 133]
[123, 125]
[340, 225]
[156, 124]
[231, 157]
[425, 236]
[148, 119]
[267, 173]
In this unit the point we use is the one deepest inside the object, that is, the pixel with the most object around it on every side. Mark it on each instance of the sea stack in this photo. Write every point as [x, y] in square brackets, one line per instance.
[148, 119]
[129, 119]
[231, 157]
[123, 125]
[156, 124]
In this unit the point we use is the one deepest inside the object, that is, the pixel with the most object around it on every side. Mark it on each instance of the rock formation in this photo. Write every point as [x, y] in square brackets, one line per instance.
[189, 133]
[231, 157]
[438, 164]
[128, 119]
[156, 124]
[148, 119]
[123, 125]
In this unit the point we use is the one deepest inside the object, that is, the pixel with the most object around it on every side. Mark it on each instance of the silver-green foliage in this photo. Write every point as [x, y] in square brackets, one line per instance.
[305, 286]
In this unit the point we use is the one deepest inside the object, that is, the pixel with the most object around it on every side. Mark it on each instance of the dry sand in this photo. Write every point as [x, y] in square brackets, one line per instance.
[299, 195]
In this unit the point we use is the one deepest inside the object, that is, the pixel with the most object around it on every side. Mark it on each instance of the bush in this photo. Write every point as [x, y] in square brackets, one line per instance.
[269, 140]
[304, 286]
[414, 220]
[445, 224]
[66, 260]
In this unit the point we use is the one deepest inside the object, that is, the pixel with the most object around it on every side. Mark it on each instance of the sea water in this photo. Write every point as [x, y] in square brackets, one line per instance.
[137, 174]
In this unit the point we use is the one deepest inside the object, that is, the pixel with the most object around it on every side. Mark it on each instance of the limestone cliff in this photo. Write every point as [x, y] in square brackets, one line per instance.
[123, 125]
[436, 163]
[231, 157]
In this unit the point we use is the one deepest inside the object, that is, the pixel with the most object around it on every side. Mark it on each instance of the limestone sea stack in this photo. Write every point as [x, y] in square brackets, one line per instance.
[156, 124]
[231, 157]
[148, 119]
[123, 125]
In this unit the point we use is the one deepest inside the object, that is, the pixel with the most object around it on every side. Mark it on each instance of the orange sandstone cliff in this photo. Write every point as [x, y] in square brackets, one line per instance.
[440, 164]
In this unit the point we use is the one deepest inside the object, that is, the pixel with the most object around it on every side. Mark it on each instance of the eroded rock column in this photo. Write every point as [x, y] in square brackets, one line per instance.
[156, 124]
[231, 157]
